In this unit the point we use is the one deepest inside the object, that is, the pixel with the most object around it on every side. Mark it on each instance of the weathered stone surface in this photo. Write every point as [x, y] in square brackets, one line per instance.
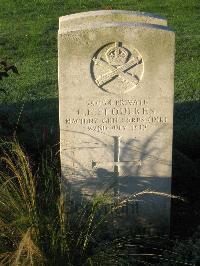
[116, 109]
[106, 16]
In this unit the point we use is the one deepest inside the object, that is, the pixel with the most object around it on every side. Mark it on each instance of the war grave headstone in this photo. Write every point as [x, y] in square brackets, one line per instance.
[116, 87]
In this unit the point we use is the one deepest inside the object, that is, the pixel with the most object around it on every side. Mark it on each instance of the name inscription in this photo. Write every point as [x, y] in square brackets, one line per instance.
[120, 115]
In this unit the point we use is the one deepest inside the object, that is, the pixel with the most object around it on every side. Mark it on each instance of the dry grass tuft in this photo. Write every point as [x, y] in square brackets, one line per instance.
[18, 212]
[40, 225]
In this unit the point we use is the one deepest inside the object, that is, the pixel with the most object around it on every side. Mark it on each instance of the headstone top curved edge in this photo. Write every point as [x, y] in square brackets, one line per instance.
[110, 16]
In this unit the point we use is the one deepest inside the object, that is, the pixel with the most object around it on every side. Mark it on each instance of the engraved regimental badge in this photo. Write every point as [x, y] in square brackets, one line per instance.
[115, 69]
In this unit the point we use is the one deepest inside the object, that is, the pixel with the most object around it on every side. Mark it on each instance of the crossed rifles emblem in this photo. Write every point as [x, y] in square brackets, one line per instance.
[117, 66]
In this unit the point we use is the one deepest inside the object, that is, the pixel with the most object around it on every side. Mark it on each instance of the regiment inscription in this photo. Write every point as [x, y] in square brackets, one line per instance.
[119, 115]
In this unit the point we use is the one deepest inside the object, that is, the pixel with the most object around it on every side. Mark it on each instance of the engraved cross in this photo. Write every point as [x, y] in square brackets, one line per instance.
[116, 163]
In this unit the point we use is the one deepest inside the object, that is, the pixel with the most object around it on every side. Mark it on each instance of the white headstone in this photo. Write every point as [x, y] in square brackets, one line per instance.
[106, 16]
[116, 86]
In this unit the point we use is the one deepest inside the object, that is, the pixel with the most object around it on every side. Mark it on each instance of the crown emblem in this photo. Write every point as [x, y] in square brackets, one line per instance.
[117, 55]
[116, 69]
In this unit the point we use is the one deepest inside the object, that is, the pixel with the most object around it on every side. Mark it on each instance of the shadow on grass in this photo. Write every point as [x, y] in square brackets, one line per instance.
[186, 168]
[37, 122]
[39, 126]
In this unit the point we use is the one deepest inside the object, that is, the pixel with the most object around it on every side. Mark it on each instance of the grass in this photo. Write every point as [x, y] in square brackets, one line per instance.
[29, 39]
[38, 228]
[18, 219]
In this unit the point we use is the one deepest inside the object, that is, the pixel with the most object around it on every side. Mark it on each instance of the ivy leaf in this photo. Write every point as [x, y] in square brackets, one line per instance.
[13, 68]
[3, 74]
[4, 91]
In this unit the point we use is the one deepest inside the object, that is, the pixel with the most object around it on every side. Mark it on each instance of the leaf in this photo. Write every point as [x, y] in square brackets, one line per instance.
[4, 91]
[3, 63]
[13, 68]
[3, 74]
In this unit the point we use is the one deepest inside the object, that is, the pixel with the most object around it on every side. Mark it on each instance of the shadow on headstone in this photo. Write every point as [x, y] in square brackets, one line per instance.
[39, 119]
